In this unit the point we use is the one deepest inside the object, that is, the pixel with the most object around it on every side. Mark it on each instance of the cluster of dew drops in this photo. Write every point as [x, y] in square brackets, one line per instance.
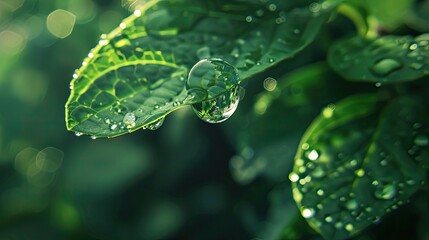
[214, 110]
[383, 191]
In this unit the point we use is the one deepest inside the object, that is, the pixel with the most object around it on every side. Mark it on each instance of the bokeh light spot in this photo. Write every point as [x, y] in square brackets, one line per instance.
[61, 23]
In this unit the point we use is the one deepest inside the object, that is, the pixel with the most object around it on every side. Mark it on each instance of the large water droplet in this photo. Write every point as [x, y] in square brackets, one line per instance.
[385, 192]
[155, 125]
[385, 67]
[129, 120]
[218, 80]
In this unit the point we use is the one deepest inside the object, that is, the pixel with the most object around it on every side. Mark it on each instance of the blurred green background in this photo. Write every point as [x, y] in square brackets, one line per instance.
[172, 183]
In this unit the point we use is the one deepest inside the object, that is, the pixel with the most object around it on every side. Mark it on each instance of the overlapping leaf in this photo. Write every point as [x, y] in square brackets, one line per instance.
[141, 67]
[388, 59]
[351, 169]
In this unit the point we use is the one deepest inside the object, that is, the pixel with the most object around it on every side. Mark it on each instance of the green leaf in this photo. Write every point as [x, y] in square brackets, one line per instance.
[352, 169]
[389, 15]
[268, 137]
[384, 60]
[140, 68]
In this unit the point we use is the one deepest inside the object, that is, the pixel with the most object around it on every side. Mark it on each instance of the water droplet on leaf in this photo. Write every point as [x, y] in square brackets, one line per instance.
[129, 120]
[351, 204]
[155, 125]
[385, 67]
[385, 192]
[307, 212]
[293, 177]
[218, 80]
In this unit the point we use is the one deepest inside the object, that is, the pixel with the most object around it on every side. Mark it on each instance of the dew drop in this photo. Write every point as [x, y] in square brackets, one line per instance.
[351, 204]
[360, 172]
[338, 225]
[328, 219]
[421, 140]
[249, 19]
[218, 80]
[307, 212]
[155, 125]
[137, 13]
[293, 177]
[271, 60]
[113, 127]
[103, 42]
[313, 155]
[320, 192]
[78, 134]
[349, 227]
[385, 192]
[93, 137]
[385, 67]
[129, 120]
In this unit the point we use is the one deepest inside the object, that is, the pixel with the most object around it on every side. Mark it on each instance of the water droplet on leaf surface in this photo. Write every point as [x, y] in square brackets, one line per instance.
[129, 120]
[155, 125]
[385, 192]
[307, 212]
[217, 80]
[385, 67]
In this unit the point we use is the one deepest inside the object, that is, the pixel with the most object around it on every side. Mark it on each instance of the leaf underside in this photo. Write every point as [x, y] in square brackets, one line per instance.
[387, 59]
[141, 67]
[351, 169]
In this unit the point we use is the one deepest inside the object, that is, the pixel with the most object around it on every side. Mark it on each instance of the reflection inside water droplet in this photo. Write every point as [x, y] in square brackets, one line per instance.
[218, 80]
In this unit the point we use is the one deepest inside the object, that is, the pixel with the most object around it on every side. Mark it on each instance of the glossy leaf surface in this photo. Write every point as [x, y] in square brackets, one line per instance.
[141, 67]
[351, 169]
[385, 60]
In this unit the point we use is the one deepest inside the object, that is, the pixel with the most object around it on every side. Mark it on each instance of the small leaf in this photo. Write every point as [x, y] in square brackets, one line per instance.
[140, 68]
[384, 60]
[351, 169]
